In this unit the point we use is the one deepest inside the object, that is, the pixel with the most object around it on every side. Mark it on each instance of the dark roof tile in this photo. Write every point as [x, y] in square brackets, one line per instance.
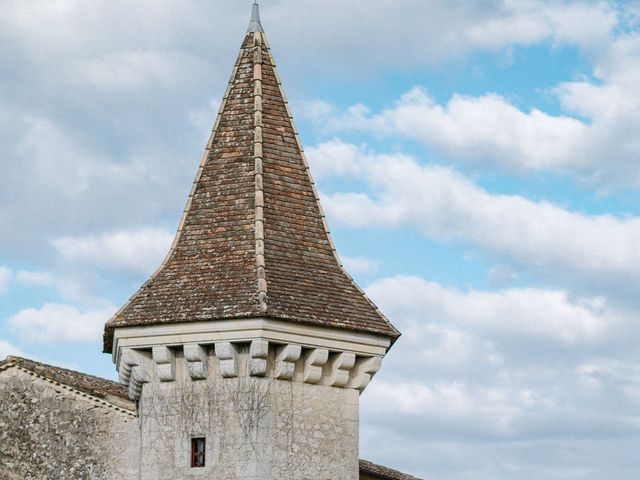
[382, 473]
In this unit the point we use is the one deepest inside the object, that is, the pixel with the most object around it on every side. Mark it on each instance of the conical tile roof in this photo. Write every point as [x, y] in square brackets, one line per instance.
[253, 241]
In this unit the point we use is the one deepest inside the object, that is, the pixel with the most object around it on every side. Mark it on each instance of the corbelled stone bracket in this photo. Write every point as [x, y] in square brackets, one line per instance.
[363, 372]
[286, 358]
[197, 361]
[135, 371]
[165, 359]
[313, 363]
[337, 369]
[227, 353]
[258, 353]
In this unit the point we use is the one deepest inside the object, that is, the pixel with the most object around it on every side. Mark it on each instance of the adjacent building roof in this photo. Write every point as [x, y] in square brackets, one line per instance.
[95, 386]
[253, 241]
[371, 471]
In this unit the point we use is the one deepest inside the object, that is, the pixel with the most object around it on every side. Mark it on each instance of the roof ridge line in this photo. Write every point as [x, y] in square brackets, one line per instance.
[185, 211]
[259, 169]
[315, 191]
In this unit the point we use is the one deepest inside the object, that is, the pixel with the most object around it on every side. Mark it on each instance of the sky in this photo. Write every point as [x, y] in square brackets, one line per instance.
[478, 162]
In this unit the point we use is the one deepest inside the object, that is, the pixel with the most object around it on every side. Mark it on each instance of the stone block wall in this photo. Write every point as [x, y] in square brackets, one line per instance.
[255, 429]
[51, 432]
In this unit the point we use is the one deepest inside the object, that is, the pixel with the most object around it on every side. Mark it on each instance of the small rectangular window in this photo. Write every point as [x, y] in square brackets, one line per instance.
[198, 452]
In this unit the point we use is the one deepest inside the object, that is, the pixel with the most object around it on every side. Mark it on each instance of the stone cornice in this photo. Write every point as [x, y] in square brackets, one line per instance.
[246, 330]
[246, 348]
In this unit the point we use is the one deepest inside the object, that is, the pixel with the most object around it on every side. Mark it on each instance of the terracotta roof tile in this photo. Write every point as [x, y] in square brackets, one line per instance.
[253, 241]
[382, 473]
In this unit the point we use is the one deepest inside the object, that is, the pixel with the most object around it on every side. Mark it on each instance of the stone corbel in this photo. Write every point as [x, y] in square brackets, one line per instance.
[258, 353]
[313, 362]
[286, 358]
[134, 372]
[363, 372]
[197, 361]
[337, 369]
[165, 360]
[227, 354]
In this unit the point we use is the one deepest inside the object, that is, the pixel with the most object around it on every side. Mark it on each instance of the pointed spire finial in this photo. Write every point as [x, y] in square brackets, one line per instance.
[255, 25]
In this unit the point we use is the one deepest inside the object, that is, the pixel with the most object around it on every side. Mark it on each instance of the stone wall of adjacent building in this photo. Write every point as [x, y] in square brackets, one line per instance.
[52, 432]
[255, 429]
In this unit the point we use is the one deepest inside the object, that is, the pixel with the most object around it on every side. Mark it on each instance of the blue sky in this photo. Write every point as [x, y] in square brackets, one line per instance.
[477, 161]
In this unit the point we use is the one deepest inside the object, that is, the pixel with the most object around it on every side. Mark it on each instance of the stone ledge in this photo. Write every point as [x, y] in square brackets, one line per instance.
[247, 330]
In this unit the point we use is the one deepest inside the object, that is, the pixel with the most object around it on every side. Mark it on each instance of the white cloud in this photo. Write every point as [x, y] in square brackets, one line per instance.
[139, 251]
[529, 366]
[62, 184]
[601, 148]
[527, 312]
[52, 183]
[447, 206]
[442, 400]
[135, 69]
[334, 158]
[60, 323]
[7, 349]
[483, 127]
[68, 28]
[329, 31]
[439, 30]
[61, 163]
[36, 279]
[360, 265]
[76, 285]
[5, 277]
[433, 344]
[495, 411]
[633, 14]
[501, 274]
[505, 364]
[487, 128]
[581, 23]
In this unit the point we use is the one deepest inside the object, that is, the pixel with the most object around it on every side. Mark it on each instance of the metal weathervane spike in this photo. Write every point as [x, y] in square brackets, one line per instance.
[255, 25]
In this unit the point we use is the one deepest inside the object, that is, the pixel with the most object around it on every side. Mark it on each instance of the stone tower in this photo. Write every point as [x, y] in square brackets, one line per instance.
[247, 349]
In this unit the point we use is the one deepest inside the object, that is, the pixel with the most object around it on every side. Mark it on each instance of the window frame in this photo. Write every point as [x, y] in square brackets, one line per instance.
[198, 452]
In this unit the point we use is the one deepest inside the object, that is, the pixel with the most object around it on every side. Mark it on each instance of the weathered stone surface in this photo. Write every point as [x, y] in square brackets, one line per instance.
[256, 429]
[51, 432]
